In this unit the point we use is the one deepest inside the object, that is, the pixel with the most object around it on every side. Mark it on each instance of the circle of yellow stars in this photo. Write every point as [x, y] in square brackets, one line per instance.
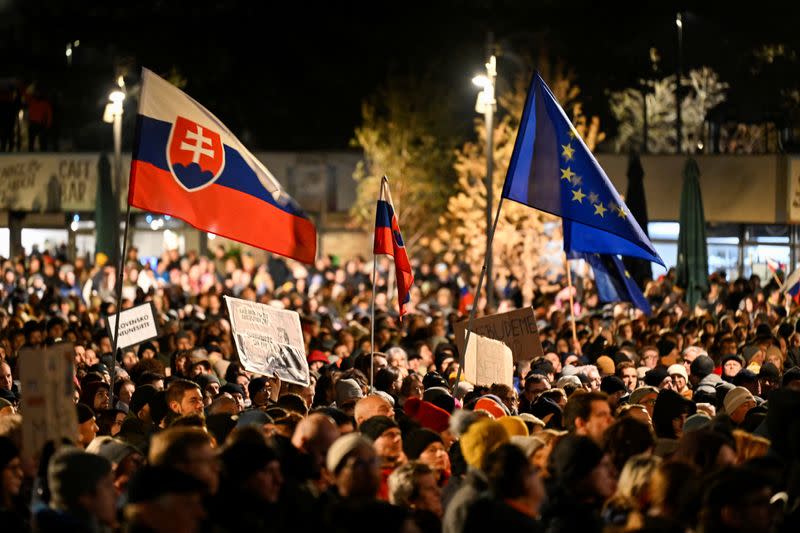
[573, 180]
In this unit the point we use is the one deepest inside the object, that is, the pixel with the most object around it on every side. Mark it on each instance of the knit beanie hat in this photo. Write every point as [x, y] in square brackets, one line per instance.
[375, 426]
[528, 445]
[232, 388]
[112, 449]
[85, 413]
[347, 390]
[655, 376]
[440, 397]
[416, 441]
[141, 397]
[612, 384]
[482, 438]
[735, 398]
[72, 473]
[491, 406]
[514, 425]
[342, 447]
[89, 391]
[427, 414]
[697, 421]
[702, 366]
[253, 417]
[605, 365]
[573, 458]
[678, 370]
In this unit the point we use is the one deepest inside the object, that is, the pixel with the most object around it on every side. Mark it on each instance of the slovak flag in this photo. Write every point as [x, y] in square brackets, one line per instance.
[773, 265]
[187, 164]
[389, 241]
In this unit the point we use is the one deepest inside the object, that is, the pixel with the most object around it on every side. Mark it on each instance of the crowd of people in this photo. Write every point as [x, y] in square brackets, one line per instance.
[683, 420]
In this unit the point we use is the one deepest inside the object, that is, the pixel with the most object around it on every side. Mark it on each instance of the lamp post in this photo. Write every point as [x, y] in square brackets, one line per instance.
[113, 115]
[678, 118]
[485, 105]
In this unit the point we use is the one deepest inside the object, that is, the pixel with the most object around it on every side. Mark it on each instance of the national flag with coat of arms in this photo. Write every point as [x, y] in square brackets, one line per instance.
[388, 241]
[187, 164]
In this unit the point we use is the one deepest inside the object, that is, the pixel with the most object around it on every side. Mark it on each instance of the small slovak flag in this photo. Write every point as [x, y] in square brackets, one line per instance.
[389, 241]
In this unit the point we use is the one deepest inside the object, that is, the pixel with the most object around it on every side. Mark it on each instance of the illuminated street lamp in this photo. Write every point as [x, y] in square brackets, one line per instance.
[485, 105]
[113, 115]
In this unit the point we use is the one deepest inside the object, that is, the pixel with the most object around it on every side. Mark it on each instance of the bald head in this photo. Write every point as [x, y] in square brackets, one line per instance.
[6, 379]
[314, 435]
[370, 406]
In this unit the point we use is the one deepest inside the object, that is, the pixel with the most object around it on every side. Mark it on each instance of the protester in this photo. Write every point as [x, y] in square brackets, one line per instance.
[82, 493]
[192, 438]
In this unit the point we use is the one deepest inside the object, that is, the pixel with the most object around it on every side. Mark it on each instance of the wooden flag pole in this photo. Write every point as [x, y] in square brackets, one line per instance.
[571, 301]
[462, 356]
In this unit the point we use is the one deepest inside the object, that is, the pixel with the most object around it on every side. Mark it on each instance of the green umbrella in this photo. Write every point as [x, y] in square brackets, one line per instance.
[106, 216]
[692, 269]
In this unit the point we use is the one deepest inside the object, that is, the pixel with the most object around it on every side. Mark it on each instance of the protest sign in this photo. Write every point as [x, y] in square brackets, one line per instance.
[488, 361]
[138, 324]
[47, 402]
[269, 340]
[516, 329]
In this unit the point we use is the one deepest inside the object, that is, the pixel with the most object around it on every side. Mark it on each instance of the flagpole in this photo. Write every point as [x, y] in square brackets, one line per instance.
[462, 356]
[372, 321]
[120, 275]
[374, 290]
[571, 301]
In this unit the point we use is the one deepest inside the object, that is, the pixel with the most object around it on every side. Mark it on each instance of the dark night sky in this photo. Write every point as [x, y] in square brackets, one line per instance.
[295, 76]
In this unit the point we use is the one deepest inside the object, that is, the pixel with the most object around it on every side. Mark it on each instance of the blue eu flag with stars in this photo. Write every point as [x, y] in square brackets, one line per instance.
[613, 282]
[552, 170]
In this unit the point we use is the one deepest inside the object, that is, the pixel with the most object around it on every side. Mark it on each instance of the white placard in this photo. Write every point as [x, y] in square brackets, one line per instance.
[488, 361]
[269, 340]
[47, 404]
[138, 324]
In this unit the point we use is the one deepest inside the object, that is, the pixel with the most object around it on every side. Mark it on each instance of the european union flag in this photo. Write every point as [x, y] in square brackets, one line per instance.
[552, 170]
[613, 282]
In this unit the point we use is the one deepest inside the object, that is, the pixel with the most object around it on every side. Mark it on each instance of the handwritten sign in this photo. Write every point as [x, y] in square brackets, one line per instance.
[269, 340]
[516, 329]
[488, 361]
[47, 405]
[138, 324]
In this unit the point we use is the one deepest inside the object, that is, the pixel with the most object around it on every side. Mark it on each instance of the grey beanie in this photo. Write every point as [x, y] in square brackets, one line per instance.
[347, 390]
[72, 473]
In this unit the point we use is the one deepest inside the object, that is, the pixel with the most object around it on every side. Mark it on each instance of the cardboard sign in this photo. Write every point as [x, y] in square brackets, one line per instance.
[516, 329]
[269, 340]
[138, 324]
[47, 405]
[488, 361]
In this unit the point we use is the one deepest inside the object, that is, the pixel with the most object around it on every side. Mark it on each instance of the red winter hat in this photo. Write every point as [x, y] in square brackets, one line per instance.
[317, 355]
[427, 414]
